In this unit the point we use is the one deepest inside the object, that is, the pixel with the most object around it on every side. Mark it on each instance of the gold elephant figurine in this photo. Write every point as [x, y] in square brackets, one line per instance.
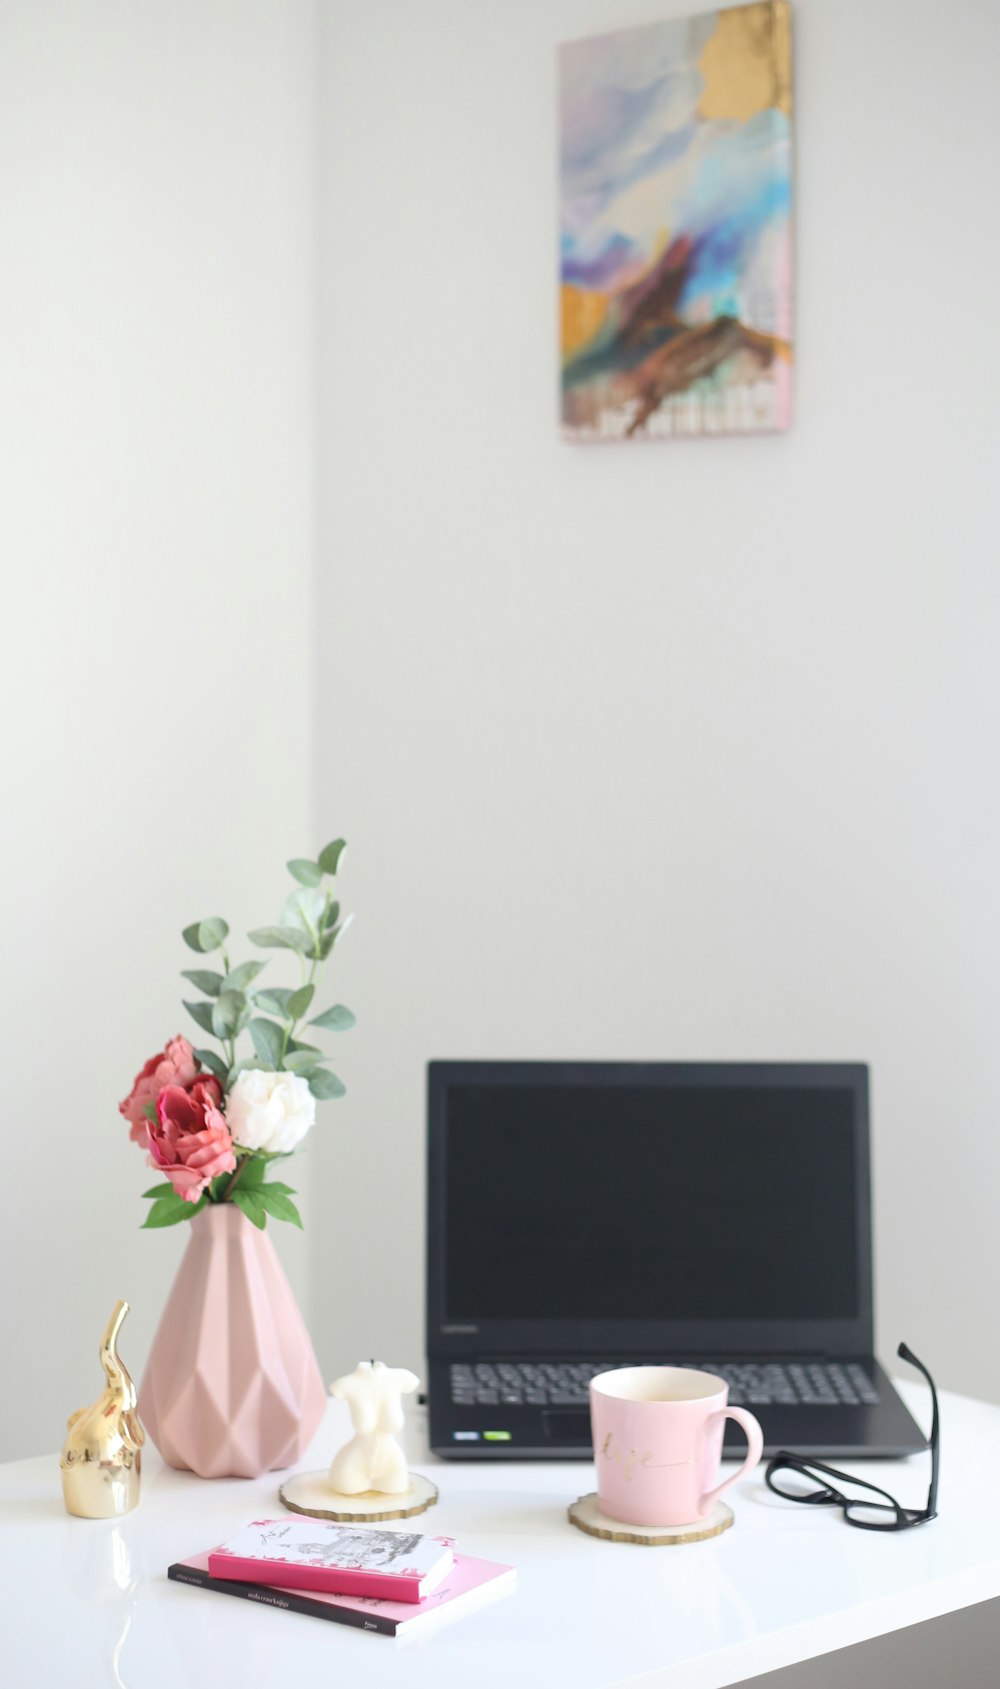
[101, 1460]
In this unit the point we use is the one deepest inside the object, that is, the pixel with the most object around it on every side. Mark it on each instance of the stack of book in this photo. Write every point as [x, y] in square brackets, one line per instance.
[393, 1582]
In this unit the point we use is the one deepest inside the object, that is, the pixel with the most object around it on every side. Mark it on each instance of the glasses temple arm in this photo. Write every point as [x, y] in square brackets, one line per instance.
[906, 1353]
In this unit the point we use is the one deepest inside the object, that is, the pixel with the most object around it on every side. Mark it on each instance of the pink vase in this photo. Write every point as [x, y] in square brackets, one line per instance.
[231, 1388]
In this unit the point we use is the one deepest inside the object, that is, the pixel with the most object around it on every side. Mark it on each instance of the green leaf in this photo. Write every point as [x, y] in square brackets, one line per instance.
[329, 856]
[202, 980]
[331, 938]
[149, 1110]
[206, 935]
[297, 1044]
[280, 938]
[243, 976]
[299, 1001]
[214, 1063]
[323, 1084]
[304, 909]
[202, 1013]
[226, 1013]
[332, 915]
[250, 1203]
[254, 1168]
[307, 873]
[170, 1210]
[159, 1190]
[287, 1190]
[280, 1205]
[303, 1061]
[267, 1040]
[337, 1019]
[275, 1001]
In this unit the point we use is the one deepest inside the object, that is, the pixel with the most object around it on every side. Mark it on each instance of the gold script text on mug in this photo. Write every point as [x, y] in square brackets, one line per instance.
[629, 1459]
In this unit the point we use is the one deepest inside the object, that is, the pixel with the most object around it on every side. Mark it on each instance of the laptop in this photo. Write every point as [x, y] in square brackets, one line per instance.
[586, 1215]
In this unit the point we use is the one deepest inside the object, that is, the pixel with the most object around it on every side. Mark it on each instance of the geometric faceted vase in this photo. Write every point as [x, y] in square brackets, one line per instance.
[231, 1388]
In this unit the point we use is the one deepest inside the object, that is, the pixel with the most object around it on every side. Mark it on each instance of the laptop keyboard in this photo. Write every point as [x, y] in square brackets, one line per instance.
[565, 1383]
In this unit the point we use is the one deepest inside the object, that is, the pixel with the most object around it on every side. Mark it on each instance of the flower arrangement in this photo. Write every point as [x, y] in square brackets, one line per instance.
[213, 1122]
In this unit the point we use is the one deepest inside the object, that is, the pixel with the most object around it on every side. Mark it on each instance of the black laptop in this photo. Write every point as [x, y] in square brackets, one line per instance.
[585, 1215]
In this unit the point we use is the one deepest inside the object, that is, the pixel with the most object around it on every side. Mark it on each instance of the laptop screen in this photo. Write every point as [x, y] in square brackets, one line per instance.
[581, 1200]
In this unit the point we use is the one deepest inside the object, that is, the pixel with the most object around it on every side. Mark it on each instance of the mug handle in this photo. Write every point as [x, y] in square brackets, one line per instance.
[755, 1440]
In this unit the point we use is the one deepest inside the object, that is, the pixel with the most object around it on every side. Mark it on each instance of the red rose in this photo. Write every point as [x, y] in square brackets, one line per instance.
[206, 1090]
[176, 1065]
[189, 1141]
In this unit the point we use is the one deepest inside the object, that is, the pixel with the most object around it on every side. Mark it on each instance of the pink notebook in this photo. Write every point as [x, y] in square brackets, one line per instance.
[469, 1584]
[335, 1559]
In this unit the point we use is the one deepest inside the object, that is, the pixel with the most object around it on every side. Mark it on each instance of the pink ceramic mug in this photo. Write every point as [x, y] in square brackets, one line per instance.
[658, 1443]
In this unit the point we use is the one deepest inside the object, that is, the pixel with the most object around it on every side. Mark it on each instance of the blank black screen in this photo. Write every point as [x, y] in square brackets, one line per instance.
[649, 1202]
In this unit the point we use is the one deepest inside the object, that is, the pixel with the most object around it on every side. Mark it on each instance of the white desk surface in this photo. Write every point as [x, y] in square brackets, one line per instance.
[87, 1603]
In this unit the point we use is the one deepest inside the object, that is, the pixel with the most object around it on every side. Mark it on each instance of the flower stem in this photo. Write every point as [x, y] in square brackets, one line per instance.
[227, 1195]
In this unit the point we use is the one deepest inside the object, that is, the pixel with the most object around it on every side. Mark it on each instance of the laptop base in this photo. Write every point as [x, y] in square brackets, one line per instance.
[878, 1431]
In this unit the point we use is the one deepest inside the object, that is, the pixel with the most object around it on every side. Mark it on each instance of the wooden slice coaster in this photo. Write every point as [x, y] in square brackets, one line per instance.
[310, 1492]
[586, 1515]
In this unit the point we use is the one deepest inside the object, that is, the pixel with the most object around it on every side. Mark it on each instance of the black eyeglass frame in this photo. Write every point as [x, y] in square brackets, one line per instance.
[827, 1496]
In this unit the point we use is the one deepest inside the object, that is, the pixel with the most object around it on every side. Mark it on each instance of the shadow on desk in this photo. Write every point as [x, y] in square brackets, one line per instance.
[959, 1650]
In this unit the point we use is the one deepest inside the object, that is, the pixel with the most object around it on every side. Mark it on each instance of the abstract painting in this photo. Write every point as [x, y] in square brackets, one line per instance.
[676, 245]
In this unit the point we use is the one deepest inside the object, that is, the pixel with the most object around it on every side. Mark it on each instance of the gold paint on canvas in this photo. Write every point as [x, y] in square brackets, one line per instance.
[582, 315]
[747, 62]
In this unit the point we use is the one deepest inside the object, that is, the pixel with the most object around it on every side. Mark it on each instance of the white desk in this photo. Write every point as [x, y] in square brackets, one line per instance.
[87, 1604]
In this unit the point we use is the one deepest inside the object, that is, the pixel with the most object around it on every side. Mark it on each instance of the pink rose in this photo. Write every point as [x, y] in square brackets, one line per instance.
[189, 1141]
[175, 1066]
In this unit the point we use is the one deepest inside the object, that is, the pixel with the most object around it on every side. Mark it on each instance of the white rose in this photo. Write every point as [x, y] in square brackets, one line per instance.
[270, 1111]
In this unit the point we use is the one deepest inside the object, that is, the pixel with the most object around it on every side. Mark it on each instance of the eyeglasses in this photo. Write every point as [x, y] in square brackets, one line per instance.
[803, 1477]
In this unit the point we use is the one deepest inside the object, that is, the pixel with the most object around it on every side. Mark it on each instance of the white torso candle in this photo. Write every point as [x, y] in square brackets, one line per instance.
[373, 1460]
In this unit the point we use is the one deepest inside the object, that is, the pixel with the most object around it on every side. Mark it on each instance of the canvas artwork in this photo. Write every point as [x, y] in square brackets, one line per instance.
[676, 246]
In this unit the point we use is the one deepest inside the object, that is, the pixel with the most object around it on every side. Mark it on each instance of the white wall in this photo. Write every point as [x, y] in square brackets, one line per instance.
[680, 751]
[667, 751]
[157, 461]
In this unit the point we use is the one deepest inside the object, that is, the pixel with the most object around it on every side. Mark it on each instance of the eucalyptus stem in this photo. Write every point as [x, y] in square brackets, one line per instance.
[291, 1026]
[305, 927]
